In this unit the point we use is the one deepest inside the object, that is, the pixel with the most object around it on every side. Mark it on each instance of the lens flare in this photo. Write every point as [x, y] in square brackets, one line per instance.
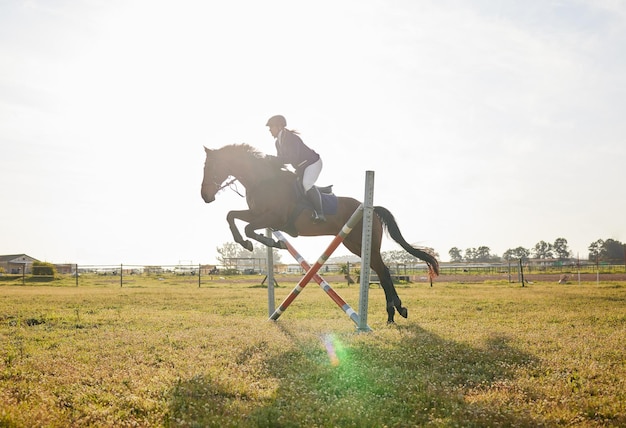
[334, 349]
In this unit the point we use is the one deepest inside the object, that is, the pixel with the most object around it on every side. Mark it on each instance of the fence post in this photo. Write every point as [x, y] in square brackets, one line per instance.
[121, 274]
[199, 274]
[76, 274]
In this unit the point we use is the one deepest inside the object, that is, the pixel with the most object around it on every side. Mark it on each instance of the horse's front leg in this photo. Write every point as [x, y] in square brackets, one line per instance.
[243, 216]
[262, 222]
[254, 222]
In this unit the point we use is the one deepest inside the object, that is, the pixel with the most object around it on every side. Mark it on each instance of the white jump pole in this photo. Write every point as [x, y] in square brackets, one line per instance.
[366, 250]
[270, 275]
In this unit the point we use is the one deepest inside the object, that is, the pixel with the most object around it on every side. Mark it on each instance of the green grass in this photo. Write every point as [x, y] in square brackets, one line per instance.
[162, 353]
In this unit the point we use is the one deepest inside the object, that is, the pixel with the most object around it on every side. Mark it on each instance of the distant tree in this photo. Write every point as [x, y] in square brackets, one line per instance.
[471, 254]
[596, 249]
[610, 250]
[455, 255]
[516, 253]
[231, 250]
[431, 251]
[227, 253]
[483, 254]
[543, 250]
[344, 268]
[397, 256]
[401, 256]
[615, 250]
[44, 268]
[260, 252]
[560, 248]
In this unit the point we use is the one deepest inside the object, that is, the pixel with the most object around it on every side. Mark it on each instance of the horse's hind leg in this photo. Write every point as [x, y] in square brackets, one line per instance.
[393, 300]
[376, 263]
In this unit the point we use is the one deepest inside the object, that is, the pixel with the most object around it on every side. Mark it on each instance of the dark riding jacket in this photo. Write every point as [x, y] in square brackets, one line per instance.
[290, 149]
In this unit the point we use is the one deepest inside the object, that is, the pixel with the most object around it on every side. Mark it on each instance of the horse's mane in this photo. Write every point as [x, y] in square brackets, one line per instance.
[259, 158]
[242, 149]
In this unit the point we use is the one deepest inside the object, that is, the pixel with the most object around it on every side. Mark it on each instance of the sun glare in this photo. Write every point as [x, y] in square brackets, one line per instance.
[334, 348]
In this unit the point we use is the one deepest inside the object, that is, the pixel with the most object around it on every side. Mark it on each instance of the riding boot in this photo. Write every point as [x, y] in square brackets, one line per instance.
[316, 199]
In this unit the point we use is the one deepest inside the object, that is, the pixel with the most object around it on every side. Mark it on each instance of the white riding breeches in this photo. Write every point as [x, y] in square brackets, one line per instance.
[311, 174]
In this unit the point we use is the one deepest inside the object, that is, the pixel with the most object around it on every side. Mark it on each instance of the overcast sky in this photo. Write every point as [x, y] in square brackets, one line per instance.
[495, 124]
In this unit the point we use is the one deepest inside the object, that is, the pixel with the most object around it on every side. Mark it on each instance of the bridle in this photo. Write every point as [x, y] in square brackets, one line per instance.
[228, 184]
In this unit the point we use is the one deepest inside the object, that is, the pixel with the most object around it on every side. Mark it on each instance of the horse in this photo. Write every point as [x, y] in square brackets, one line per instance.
[273, 198]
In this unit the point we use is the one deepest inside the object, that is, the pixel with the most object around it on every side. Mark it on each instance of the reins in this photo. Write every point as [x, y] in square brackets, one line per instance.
[228, 184]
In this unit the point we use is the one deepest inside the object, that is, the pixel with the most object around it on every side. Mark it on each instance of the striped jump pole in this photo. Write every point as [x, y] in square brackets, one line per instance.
[320, 281]
[345, 230]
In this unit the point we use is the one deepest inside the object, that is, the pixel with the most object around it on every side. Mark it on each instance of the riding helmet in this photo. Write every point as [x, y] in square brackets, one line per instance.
[277, 120]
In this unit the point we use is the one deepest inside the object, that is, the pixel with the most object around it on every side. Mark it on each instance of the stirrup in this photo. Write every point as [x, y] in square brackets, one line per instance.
[317, 218]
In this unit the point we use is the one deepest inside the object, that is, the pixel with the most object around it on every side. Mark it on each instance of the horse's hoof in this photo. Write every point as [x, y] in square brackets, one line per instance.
[248, 246]
[403, 312]
[392, 322]
[282, 245]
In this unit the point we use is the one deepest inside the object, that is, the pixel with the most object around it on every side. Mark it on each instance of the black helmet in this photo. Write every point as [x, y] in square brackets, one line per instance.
[277, 120]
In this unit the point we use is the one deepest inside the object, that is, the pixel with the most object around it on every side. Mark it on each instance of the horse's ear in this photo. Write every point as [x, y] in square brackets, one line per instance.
[206, 150]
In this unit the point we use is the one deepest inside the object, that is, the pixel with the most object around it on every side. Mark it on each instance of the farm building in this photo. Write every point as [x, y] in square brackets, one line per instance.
[14, 263]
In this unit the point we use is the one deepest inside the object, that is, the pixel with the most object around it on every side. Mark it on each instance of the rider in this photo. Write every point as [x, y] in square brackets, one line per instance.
[290, 149]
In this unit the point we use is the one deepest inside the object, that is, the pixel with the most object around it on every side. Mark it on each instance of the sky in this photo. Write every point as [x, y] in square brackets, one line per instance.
[497, 124]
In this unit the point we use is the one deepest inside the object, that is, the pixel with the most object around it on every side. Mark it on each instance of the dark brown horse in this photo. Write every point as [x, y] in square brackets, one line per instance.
[272, 197]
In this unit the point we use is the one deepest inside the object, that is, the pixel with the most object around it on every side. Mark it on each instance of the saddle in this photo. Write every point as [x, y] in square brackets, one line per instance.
[326, 190]
[329, 203]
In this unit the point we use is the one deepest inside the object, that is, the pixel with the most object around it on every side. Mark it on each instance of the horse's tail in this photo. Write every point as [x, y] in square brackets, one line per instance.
[390, 225]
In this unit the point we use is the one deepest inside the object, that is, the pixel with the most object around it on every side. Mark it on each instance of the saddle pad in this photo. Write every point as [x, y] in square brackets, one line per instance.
[329, 202]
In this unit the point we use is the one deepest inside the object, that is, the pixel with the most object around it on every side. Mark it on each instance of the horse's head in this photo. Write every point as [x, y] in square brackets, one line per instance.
[214, 176]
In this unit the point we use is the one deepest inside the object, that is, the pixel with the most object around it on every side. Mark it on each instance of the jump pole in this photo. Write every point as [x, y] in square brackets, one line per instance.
[320, 281]
[365, 211]
[270, 275]
[345, 230]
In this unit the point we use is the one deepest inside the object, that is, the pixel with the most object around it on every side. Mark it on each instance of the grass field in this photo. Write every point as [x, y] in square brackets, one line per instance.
[167, 353]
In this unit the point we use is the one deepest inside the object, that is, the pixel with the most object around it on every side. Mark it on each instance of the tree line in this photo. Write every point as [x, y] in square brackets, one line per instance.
[610, 251]
[230, 251]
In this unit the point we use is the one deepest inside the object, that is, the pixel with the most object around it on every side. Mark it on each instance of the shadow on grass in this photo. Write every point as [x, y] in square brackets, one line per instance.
[417, 379]
[203, 402]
